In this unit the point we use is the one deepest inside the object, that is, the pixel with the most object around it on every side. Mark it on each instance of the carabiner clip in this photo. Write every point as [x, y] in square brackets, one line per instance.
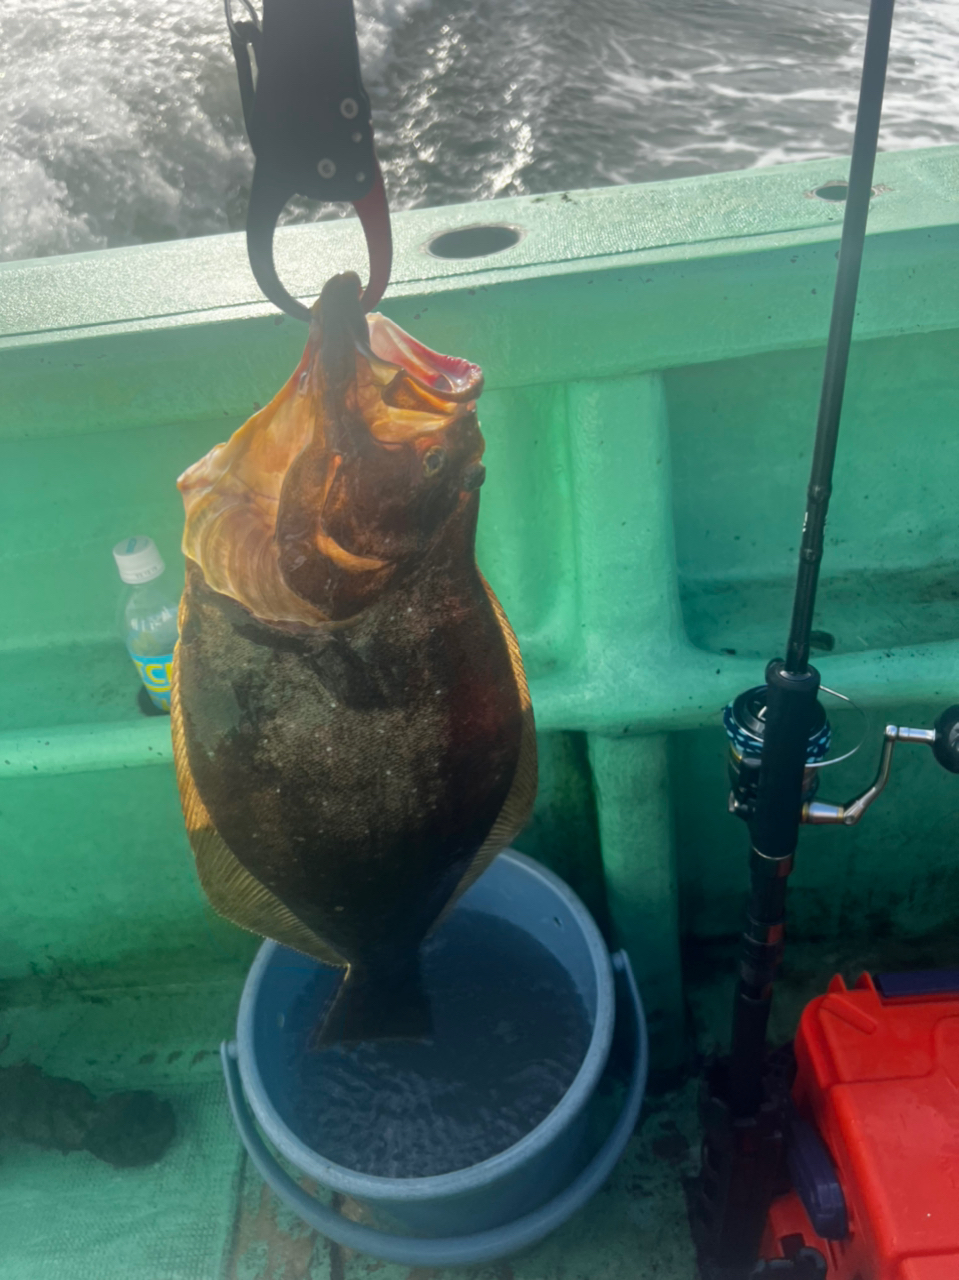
[310, 127]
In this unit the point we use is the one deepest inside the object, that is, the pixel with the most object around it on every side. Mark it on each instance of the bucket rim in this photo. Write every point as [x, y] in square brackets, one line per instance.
[375, 1187]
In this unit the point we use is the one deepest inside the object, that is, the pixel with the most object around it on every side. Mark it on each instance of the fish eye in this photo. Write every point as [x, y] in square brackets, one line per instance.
[433, 460]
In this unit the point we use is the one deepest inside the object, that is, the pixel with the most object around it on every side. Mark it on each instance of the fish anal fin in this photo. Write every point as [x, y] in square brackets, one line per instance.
[233, 891]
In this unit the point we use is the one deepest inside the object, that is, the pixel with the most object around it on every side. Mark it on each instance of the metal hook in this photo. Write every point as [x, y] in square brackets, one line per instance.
[267, 200]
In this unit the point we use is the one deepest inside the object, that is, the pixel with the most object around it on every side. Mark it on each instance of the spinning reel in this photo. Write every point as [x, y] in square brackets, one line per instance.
[744, 720]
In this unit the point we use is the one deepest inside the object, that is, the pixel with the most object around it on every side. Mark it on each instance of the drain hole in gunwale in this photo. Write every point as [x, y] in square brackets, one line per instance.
[474, 242]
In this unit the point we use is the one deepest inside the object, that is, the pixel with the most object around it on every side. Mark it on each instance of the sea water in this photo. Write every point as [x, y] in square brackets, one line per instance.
[120, 121]
[510, 1034]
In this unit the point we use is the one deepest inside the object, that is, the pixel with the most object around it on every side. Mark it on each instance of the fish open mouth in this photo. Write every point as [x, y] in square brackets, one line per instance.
[441, 379]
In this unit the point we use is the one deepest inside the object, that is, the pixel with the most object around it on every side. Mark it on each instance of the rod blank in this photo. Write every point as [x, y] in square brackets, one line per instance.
[840, 330]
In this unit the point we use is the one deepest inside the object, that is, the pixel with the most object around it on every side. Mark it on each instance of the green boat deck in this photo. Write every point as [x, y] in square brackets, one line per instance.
[653, 357]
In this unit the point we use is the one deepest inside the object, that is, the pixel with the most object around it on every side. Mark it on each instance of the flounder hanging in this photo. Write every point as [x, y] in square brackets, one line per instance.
[352, 727]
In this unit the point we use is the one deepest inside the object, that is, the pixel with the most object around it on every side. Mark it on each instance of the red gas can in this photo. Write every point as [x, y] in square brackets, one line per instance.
[878, 1079]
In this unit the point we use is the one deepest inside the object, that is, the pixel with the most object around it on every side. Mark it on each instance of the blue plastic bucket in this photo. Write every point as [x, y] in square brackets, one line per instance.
[504, 1203]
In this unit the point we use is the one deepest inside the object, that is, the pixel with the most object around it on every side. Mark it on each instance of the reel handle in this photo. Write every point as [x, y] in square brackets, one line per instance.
[943, 738]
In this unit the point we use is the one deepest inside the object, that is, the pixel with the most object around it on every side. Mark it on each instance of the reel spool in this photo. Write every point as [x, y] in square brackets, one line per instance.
[744, 720]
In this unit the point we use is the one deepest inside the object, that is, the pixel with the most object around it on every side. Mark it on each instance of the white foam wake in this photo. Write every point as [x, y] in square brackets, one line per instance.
[120, 121]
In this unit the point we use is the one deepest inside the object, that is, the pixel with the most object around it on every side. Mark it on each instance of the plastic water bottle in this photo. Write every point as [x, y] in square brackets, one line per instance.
[148, 616]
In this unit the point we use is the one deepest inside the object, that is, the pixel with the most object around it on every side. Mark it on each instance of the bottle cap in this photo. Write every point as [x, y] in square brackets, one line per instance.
[138, 560]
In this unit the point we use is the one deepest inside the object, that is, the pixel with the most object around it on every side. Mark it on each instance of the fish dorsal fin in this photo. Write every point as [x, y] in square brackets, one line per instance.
[233, 892]
[518, 805]
[231, 498]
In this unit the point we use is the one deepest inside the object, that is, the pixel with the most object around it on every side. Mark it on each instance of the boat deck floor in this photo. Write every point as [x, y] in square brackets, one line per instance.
[202, 1212]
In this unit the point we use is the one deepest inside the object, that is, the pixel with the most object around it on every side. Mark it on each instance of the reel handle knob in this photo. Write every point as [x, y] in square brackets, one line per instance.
[946, 746]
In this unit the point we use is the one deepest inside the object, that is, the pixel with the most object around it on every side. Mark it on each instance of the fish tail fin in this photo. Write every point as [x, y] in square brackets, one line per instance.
[377, 1005]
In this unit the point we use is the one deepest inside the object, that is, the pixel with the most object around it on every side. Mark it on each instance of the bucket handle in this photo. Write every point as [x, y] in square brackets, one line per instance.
[483, 1246]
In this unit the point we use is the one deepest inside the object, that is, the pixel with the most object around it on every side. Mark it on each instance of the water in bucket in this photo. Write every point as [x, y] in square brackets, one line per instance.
[510, 1033]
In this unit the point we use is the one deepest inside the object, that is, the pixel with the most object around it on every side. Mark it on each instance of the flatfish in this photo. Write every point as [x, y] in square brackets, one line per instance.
[352, 727]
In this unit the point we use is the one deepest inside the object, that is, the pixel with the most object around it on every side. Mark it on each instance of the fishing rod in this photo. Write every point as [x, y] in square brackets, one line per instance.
[779, 735]
[794, 720]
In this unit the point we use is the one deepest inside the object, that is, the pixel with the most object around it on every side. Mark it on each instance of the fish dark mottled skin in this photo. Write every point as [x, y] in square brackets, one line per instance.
[352, 727]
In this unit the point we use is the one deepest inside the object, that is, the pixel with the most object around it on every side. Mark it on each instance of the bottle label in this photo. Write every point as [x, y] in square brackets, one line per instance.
[157, 677]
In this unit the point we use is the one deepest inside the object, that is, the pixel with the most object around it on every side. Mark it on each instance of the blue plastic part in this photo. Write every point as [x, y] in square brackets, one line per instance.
[814, 1178]
[524, 893]
[924, 982]
[481, 1246]
[484, 1198]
